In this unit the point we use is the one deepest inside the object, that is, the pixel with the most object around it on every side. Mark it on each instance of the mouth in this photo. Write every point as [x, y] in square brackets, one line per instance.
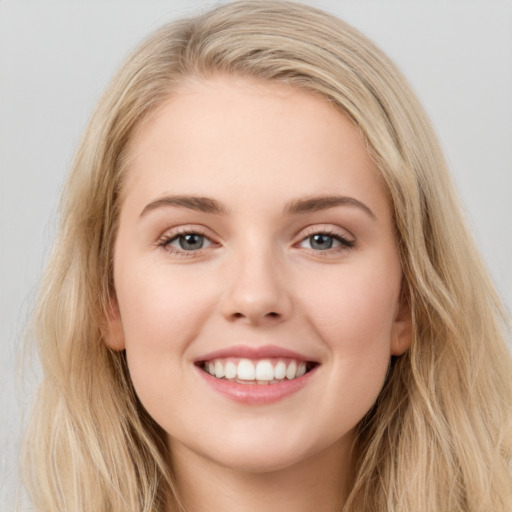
[261, 371]
[256, 375]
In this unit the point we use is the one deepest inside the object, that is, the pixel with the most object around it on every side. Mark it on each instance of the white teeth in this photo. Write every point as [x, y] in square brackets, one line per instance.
[219, 370]
[280, 371]
[230, 370]
[264, 370]
[246, 370]
[291, 371]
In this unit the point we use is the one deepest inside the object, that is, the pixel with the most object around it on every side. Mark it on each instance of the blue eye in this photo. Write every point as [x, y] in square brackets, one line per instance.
[325, 241]
[321, 242]
[186, 242]
[190, 242]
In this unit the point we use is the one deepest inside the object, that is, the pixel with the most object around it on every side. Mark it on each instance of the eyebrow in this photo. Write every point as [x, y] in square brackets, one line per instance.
[315, 204]
[295, 207]
[200, 204]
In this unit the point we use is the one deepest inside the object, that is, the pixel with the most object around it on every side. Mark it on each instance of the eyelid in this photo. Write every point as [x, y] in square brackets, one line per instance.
[171, 234]
[326, 229]
[346, 241]
[184, 229]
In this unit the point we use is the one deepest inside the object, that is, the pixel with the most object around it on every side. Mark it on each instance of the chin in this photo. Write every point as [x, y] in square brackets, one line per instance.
[260, 461]
[263, 453]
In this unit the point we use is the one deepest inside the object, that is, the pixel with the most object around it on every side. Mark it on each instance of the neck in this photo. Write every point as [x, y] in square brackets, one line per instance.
[320, 482]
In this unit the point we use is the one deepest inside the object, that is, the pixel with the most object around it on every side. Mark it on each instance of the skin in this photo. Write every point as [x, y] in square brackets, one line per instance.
[254, 147]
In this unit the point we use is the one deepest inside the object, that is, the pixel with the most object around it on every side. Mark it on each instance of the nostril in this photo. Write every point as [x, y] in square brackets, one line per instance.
[272, 314]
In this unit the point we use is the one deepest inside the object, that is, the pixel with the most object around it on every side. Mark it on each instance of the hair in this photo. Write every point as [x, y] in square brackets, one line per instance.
[439, 437]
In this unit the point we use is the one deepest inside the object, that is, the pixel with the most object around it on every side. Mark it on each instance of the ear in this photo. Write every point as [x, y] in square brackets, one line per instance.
[401, 336]
[112, 329]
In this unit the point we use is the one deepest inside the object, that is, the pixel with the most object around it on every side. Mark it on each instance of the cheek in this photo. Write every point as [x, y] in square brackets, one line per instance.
[354, 314]
[157, 320]
[160, 307]
[354, 309]
[156, 332]
[354, 320]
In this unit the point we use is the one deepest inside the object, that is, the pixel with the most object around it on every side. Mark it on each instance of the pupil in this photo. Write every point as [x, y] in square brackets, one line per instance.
[321, 242]
[190, 242]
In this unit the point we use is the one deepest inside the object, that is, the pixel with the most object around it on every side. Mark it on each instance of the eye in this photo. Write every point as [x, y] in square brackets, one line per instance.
[186, 242]
[189, 242]
[325, 242]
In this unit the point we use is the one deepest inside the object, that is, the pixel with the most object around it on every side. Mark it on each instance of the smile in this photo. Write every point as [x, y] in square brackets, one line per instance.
[256, 375]
[256, 371]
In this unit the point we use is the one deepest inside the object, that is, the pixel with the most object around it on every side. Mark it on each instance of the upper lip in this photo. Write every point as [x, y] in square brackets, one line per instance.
[252, 352]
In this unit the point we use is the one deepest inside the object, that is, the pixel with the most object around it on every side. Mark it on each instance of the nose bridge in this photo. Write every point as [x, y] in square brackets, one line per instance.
[256, 290]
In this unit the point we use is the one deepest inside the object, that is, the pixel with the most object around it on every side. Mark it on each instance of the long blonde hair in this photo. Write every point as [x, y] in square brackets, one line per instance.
[438, 439]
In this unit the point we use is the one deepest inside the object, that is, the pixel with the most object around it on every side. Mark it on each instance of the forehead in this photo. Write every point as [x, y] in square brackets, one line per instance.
[236, 137]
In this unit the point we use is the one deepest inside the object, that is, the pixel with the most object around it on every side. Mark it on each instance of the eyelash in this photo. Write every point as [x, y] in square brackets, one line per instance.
[166, 240]
[345, 243]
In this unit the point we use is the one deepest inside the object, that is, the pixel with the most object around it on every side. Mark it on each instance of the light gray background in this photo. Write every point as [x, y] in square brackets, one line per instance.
[56, 57]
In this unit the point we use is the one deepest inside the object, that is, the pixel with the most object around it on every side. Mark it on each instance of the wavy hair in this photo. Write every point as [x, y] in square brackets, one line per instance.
[439, 437]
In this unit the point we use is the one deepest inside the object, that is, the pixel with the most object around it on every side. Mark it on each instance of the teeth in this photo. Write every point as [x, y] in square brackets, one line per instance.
[230, 370]
[219, 370]
[264, 371]
[245, 370]
[291, 371]
[280, 371]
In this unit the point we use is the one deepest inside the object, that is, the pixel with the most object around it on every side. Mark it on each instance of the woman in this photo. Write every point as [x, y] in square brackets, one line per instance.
[260, 293]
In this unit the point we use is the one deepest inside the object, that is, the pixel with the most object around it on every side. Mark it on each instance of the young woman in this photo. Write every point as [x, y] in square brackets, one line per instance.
[264, 295]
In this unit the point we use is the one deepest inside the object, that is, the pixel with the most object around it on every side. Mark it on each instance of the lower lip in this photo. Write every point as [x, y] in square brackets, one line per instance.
[256, 394]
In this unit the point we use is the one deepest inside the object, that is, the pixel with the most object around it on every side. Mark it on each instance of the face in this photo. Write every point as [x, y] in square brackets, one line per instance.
[256, 275]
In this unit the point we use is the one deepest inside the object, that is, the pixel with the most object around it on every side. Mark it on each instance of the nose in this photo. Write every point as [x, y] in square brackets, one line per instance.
[257, 291]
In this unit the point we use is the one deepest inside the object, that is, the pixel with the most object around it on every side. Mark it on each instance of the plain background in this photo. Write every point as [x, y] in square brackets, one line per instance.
[57, 56]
